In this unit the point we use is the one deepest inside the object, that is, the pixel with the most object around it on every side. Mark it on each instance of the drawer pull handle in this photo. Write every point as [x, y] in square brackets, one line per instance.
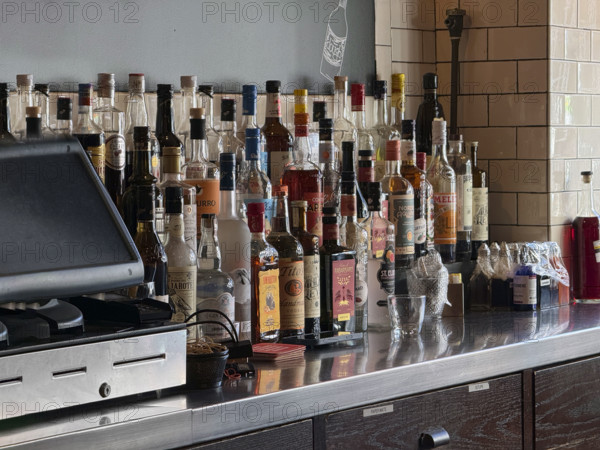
[434, 438]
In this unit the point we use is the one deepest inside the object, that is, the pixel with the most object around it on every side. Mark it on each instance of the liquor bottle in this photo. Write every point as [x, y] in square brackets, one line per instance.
[278, 139]
[89, 134]
[42, 99]
[463, 169]
[382, 131]
[335, 42]
[338, 265]
[310, 247]
[171, 176]
[228, 130]
[181, 274]
[24, 99]
[33, 120]
[214, 288]
[213, 138]
[480, 233]
[319, 112]
[265, 280]
[348, 165]
[585, 241]
[64, 117]
[165, 129]
[525, 283]
[146, 240]
[417, 179]
[249, 93]
[327, 163]
[354, 237]
[253, 184]
[380, 267]
[401, 205]
[479, 283]
[441, 176]
[427, 195]
[304, 179]
[291, 268]
[366, 170]
[343, 128]
[6, 137]
[187, 102]
[398, 106]
[112, 121]
[234, 244]
[429, 109]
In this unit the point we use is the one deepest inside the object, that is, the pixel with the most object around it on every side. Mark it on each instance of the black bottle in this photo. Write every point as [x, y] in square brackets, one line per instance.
[429, 109]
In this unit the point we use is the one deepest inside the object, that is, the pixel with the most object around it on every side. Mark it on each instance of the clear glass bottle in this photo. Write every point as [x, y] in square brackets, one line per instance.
[214, 288]
[343, 128]
[24, 99]
[213, 137]
[429, 110]
[112, 121]
[401, 200]
[319, 112]
[90, 135]
[443, 179]
[249, 120]
[463, 169]
[231, 144]
[480, 232]
[187, 102]
[6, 136]
[181, 274]
[64, 117]
[33, 119]
[291, 268]
[427, 196]
[165, 119]
[366, 170]
[42, 99]
[265, 280]
[382, 131]
[328, 164]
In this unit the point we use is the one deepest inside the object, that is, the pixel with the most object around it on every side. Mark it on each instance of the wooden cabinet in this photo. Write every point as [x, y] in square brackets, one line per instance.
[487, 415]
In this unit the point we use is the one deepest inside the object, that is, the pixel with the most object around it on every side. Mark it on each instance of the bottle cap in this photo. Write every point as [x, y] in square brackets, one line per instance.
[106, 85]
[188, 81]
[273, 86]
[252, 144]
[227, 158]
[280, 189]
[430, 81]
[379, 89]
[25, 79]
[252, 132]
[228, 109]
[197, 124]
[300, 119]
[299, 204]
[397, 81]
[206, 89]
[421, 160]
[392, 150]
[249, 92]
[227, 167]
[196, 113]
[358, 96]
[326, 123]
[137, 83]
[408, 128]
[255, 209]
[300, 92]
[42, 87]
[33, 111]
[64, 108]
[325, 129]
[85, 94]
[4, 91]
[174, 200]
[141, 134]
[330, 211]
[164, 90]
[249, 89]
[319, 110]
[340, 82]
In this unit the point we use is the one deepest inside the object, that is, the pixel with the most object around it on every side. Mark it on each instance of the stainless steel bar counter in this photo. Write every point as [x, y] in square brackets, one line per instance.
[449, 352]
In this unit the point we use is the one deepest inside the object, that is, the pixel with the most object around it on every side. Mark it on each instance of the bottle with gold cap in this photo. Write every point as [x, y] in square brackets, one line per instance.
[398, 105]
[187, 102]
[382, 131]
[33, 119]
[343, 128]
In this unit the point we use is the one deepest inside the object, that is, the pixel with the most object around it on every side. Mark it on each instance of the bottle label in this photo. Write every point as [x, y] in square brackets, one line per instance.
[268, 300]
[444, 218]
[361, 283]
[326, 152]
[115, 152]
[96, 155]
[225, 303]
[378, 239]
[525, 290]
[408, 151]
[420, 230]
[190, 225]
[312, 287]
[597, 251]
[291, 294]
[480, 215]
[159, 222]
[464, 206]
[430, 214]
[366, 174]
[386, 275]
[273, 105]
[207, 197]
[342, 273]
[403, 217]
[333, 50]
[385, 209]
[331, 231]
[182, 291]
[348, 206]
[264, 160]
[278, 160]
[314, 213]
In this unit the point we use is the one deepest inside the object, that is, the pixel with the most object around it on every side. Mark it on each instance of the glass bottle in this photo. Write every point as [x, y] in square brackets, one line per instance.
[234, 244]
[417, 179]
[291, 268]
[24, 99]
[366, 170]
[401, 200]
[187, 102]
[146, 241]
[304, 179]
[300, 101]
[480, 233]
[249, 94]
[398, 106]
[112, 121]
[165, 128]
[90, 135]
[278, 139]
[6, 137]
[427, 196]
[213, 138]
[585, 241]
[429, 109]
[328, 164]
[231, 144]
[265, 280]
[348, 165]
[338, 266]
[525, 283]
[343, 128]
[463, 169]
[42, 99]
[64, 116]
[171, 176]
[214, 288]
[33, 119]
[319, 112]
[335, 41]
[181, 274]
[310, 247]
[441, 176]
[381, 131]
[479, 283]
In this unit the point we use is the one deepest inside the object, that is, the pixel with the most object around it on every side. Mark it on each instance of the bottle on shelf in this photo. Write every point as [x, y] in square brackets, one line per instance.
[42, 99]
[479, 283]
[278, 139]
[337, 266]
[249, 120]
[310, 247]
[525, 282]
[328, 164]
[585, 241]
[171, 176]
[231, 144]
[90, 135]
[24, 99]
[429, 206]
[187, 102]
[366, 170]
[401, 201]
[6, 136]
[303, 178]
[349, 166]
[213, 138]
[33, 119]
[291, 268]
[319, 112]
[417, 179]
[429, 109]
[214, 288]
[181, 274]
[343, 128]
[382, 131]
[300, 101]
[501, 285]
[480, 233]
[234, 244]
[398, 106]
[165, 126]
[112, 122]
[443, 179]
[265, 280]
[64, 117]
[463, 169]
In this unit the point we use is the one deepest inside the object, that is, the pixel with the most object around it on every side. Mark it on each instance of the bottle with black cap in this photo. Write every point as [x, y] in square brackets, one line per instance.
[319, 112]
[42, 99]
[429, 109]
[6, 137]
[213, 138]
[33, 118]
[231, 144]
[90, 135]
[165, 126]
[64, 117]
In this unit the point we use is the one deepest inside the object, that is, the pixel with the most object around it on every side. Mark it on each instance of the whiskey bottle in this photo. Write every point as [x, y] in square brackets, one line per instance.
[231, 144]
[429, 109]
[64, 117]
[33, 119]
[265, 280]
[187, 102]
[213, 138]
[24, 99]
[480, 232]
[291, 268]
[278, 139]
[90, 135]
[165, 128]
[6, 137]
[382, 131]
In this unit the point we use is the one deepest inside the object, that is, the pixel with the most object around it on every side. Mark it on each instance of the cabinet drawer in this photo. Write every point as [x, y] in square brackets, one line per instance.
[481, 415]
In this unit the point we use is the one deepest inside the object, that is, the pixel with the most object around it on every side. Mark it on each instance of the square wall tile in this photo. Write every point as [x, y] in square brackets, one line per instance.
[518, 43]
[563, 142]
[563, 76]
[504, 211]
[589, 138]
[417, 15]
[532, 76]
[595, 110]
[383, 22]
[383, 62]
[533, 12]
[589, 14]
[490, 13]
[444, 72]
[494, 143]
[561, 234]
[573, 169]
[563, 13]
[557, 43]
[509, 233]
[532, 209]
[556, 173]
[518, 176]
[577, 44]
[532, 142]
[595, 56]
[473, 45]
[488, 77]
[518, 110]
[407, 45]
[472, 111]
[563, 207]
[429, 47]
[589, 78]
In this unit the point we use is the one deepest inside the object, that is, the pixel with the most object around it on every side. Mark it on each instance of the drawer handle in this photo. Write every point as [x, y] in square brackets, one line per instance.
[433, 438]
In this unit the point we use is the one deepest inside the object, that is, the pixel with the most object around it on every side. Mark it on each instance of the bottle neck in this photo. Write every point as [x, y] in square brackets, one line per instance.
[44, 104]
[209, 256]
[188, 101]
[34, 127]
[136, 113]
[586, 201]
[84, 116]
[339, 102]
[199, 150]
[331, 233]
[249, 121]
[430, 95]
[380, 112]
[228, 206]
[228, 127]
[298, 219]
[474, 156]
[439, 151]
[206, 102]
[64, 126]
[167, 176]
[273, 112]
[301, 144]
[25, 94]
[164, 116]
[280, 222]
[175, 231]
[142, 159]
[146, 226]
[392, 167]
[104, 102]
[359, 118]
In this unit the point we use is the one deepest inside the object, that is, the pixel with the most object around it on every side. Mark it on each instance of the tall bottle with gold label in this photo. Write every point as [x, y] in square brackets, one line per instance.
[89, 134]
[291, 267]
[265, 304]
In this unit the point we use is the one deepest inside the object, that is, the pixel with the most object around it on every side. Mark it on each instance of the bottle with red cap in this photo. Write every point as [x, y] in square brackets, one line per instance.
[265, 305]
